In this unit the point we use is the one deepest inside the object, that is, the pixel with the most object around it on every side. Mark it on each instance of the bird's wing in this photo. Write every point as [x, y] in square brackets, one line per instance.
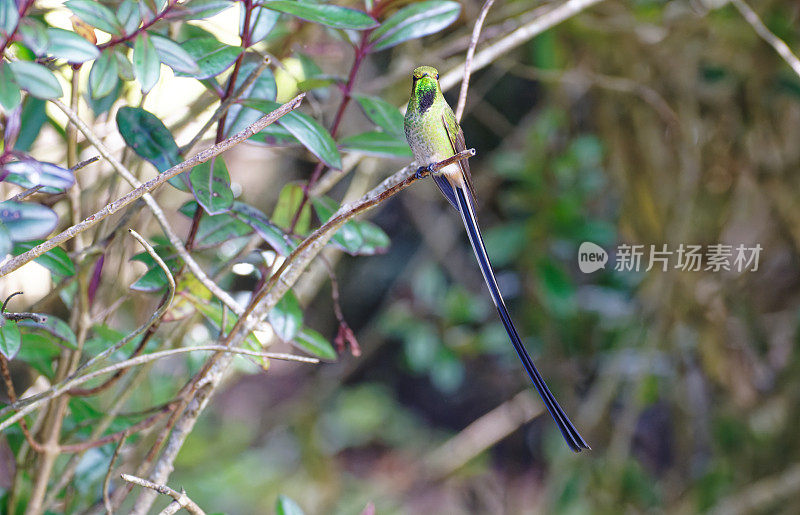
[456, 137]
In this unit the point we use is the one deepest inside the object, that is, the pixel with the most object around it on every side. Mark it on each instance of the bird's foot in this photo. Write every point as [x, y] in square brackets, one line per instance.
[422, 171]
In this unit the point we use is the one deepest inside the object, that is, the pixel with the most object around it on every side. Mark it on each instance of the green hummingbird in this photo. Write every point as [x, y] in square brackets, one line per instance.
[434, 135]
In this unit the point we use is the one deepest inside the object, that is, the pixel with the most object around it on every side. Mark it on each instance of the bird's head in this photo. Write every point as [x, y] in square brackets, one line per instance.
[425, 83]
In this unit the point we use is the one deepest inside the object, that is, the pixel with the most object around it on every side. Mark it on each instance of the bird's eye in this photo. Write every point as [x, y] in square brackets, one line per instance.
[437, 76]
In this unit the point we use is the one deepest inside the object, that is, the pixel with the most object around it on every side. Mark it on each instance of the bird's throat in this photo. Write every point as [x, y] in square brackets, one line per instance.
[426, 99]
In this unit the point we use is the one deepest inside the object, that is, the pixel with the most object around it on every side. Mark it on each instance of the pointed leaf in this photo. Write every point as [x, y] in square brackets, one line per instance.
[55, 260]
[146, 64]
[96, 15]
[217, 228]
[36, 79]
[286, 506]
[382, 113]
[150, 139]
[26, 221]
[379, 144]
[103, 78]
[212, 188]
[286, 317]
[53, 326]
[9, 16]
[356, 237]
[30, 173]
[269, 232]
[199, 9]
[6, 245]
[315, 344]
[70, 46]
[330, 15]
[10, 339]
[264, 87]
[307, 130]
[9, 91]
[34, 35]
[212, 56]
[262, 21]
[173, 55]
[289, 201]
[415, 21]
[129, 16]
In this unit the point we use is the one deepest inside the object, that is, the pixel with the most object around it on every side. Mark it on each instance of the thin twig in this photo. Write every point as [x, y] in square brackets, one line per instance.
[107, 479]
[153, 318]
[473, 42]
[30, 191]
[29, 404]
[180, 497]
[226, 104]
[774, 41]
[144, 189]
[516, 38]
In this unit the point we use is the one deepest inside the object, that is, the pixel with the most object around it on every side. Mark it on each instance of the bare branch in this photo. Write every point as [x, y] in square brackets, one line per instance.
[473, 42]
[180, 497]
[147, 187]
[774, 41]
[535, 27]
[107, 478]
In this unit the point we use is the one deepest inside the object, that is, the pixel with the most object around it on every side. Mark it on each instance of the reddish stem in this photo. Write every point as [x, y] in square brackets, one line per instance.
[144, 27]
[23, 10]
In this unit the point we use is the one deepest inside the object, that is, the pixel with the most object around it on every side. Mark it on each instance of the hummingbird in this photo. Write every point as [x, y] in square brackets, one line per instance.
[434, 135]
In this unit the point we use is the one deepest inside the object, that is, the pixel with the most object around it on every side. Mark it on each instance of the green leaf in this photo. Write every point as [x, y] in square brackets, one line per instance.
[146, 64]
[213, 313]
[218, 228]
[330, 15]
[212, 188]
[6, 245]
[150, 139]
[415, 21]
[55, 260]
[212, 56]
[26, 221]
[70, 46]
[96, 15]
[9, 16]
[173, 55]
[9, 91]
[124, 65]
[38, 351]
[129, 16]
[286, 317]
[289, 201]
[315, 344]
[262, 20]
[308, 131]
[53, 326]
[10, 339]
[30, 173]
[382, 113]
[276, 135]
[379, 144]
[199, 9]
[259, 222]
[31, 121]
[34, 35]
[36, 79]
[356, 237]
[264, 87]
[154, 279]
[286, 506]
[103, 78]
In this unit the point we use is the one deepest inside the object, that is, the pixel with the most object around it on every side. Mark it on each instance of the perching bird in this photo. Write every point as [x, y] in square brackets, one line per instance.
[434, 135]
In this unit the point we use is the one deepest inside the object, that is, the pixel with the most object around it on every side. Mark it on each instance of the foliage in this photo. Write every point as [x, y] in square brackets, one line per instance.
[645, 123]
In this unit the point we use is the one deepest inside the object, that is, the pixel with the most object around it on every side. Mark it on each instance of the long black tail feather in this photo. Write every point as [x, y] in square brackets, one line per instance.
[464, 204]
